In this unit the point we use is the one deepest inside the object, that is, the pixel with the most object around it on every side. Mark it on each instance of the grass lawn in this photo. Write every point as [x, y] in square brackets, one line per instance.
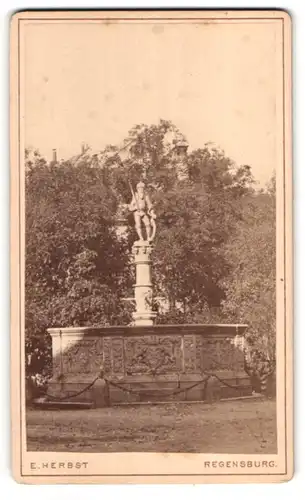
[244, 426]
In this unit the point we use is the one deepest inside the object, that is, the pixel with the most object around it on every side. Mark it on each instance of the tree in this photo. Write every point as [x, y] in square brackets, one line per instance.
[250, 289]
[76, 267]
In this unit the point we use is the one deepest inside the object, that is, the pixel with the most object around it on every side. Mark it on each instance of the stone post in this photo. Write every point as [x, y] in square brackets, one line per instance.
[144, 314]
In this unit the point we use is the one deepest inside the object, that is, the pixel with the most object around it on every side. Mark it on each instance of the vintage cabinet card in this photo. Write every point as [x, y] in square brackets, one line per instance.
[151, 246]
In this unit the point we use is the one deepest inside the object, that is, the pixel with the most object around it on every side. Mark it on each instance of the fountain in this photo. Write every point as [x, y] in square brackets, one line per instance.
[144, 361]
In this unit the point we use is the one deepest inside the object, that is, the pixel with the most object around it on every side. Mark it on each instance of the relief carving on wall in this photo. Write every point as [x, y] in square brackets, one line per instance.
[152, 355]
[107, 356]
[189, 353]
[85, 356]
[220, 354]
[117, 353]
[149, 355]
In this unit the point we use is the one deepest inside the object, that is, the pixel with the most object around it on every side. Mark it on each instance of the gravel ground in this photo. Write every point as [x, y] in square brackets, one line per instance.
[223, 427]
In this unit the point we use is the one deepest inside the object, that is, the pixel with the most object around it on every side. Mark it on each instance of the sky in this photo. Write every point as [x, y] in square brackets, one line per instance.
[92, 82]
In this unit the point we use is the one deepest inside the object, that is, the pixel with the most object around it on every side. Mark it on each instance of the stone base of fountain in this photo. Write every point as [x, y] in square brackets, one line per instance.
[148, 363]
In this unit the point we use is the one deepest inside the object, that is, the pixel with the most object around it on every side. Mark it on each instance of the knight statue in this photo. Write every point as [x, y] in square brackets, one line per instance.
[143, 211]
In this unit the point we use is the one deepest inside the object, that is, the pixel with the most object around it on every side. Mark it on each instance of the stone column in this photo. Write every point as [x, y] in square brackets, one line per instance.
[143, 287]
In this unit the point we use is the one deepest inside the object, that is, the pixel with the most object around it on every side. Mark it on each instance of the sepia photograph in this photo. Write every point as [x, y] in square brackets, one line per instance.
[151, 246]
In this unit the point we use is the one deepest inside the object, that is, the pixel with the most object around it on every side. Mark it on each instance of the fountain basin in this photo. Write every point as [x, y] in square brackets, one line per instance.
[150, 363]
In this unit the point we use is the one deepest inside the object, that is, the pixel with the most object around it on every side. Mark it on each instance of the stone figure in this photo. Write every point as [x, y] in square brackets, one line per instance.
[142, 208]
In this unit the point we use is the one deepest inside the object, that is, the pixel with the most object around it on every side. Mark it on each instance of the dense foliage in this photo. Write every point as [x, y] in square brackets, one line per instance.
[214, 257]
[250, 288]
[76, 267]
